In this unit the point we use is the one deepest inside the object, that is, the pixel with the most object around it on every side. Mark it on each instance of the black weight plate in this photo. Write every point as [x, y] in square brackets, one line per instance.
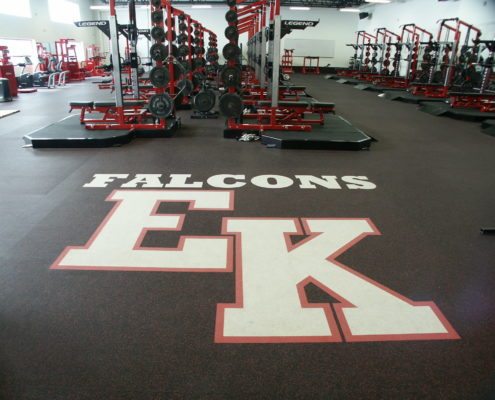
[159, 77]
[182, 27]
[231, 105]
[182, 17]
[198, 78]
[183, 50]
[157, 33]
[231, 76]
[199, 62]
[231, 32]
[438, 77]
[186, 66]
[156, 3]
[197, 40]
[161, 105]
[212, 57]
[182, 38]
[186, 86]
[211, 69]
[158, 52]
[199, 50]
[231, 51]
[231, 3]
[174, 50]
[157, 17]
[197, 32]
[204, 101]
[231, 16]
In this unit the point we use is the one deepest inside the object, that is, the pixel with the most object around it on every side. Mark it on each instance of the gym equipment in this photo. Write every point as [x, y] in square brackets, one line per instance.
[158, 52]
[231, 51]
[158, 33]
[157, 17]
[440, 58]
[231, 76]
[161, 105]
[231, 105]
[204, 101]
[185, 86]
[231, 16]
[65, 51]
[7, 72]
[159, 77]
[5, 95]
[231, 32]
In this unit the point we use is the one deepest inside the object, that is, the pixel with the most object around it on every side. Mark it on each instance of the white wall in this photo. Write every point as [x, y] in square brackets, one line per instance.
[41, 29]
[334, 25]
[425, 14]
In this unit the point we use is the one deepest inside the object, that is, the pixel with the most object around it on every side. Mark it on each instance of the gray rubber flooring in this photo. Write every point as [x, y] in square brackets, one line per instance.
[146, 335]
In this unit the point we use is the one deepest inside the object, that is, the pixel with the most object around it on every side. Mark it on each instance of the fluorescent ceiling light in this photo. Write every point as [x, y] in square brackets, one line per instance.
[201, 6]
[354, 10]
[104, 8]
[377, 1]
[300, 8]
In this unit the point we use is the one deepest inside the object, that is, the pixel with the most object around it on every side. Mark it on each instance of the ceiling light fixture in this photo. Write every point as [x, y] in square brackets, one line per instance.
[201, 6]
[353, 10]
[300, 8]
[101, 8]
[377, 1]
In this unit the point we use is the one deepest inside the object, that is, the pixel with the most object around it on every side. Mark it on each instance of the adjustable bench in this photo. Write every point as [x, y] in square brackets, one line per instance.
[305, 105]
[105, 107]
[295, 111]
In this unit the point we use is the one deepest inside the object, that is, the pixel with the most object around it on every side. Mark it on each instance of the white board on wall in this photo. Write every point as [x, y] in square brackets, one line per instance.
[311, 47]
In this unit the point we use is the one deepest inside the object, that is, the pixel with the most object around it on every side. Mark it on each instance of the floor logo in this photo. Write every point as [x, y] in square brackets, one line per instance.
[271, 272]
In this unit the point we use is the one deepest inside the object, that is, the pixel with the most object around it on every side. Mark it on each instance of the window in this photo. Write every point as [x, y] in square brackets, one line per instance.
[21, 51]
[63, 11]
[19, 8]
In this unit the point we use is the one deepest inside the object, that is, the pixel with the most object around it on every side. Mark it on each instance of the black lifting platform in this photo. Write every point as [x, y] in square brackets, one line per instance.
[70, 133]
[444, 109]
[376, 88]
[336, 134]
[406, 97]
[488, 127]
[349, 81]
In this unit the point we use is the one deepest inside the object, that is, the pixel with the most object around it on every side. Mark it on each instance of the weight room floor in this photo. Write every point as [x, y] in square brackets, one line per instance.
[130, 335]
